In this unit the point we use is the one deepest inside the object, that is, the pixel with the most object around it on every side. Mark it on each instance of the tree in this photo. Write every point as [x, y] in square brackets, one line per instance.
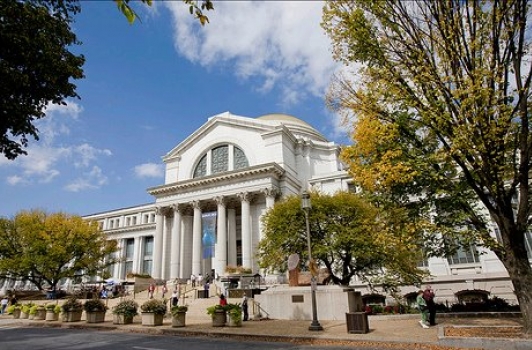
[443, 92]
[36, 66]
[45, 248]
[348, 236]
[196, 8]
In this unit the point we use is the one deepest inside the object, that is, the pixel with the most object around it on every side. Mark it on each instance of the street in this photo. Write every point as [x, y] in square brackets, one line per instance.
[15, 338]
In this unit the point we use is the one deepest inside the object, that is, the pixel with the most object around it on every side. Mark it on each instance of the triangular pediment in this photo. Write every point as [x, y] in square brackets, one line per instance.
[234, 121]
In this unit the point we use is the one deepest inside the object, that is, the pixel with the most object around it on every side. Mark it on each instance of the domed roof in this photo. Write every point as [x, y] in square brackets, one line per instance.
[285, 119]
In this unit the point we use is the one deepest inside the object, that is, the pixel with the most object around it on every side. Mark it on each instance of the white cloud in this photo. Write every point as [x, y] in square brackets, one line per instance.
[280, 43]
[149, 170]
[15, 180]
[47, 161]
[92, 179]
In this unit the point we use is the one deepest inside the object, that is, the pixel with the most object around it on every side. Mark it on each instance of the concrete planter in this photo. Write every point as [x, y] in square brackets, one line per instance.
[151, 319]
[51, 316]
[219, 318]
[178, 320]
[122, 319]
[72, 316]
[95, 317]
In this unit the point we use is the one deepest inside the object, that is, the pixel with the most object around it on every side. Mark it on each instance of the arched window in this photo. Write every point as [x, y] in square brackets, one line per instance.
[220, 159]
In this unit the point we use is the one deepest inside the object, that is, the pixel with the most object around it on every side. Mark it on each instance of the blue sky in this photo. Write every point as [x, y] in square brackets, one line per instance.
[149, 85]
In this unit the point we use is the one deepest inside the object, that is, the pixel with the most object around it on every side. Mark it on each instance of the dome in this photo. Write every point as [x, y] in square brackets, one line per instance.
[285, 119]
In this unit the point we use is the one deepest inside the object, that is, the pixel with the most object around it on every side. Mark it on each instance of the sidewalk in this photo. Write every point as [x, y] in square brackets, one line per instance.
[395, 332]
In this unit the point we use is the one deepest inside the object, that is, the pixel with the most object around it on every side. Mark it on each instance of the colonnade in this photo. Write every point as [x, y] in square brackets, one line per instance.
[177, 245]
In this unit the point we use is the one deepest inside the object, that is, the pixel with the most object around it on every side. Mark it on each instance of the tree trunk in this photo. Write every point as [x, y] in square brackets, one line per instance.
[515, 259]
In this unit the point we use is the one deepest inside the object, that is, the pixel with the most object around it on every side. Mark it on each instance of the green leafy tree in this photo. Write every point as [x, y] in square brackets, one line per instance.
[196, 8]
[36, 66]
[440, 114]
[349, 236]
[45, 248]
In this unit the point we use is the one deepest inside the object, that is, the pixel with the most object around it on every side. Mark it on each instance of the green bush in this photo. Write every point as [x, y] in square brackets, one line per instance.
[127, 308]
[94, 305]
[178, 308]
[72, 305]
[156, 306]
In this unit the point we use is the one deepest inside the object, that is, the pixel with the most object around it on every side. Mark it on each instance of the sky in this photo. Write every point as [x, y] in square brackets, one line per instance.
[149, 85]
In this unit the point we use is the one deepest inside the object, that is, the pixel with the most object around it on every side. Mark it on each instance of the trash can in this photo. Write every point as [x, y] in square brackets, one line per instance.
[357, 322]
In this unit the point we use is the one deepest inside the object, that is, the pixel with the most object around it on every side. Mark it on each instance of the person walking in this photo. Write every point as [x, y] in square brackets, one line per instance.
[422, 306]
[151, 290]
[3, 304]
[245, 315]
[164, 290]
[223, 301]
[193, 280]
[175, 297]
[428, 295]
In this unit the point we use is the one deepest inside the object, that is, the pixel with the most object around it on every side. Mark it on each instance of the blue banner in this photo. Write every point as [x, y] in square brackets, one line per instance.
[208, 238]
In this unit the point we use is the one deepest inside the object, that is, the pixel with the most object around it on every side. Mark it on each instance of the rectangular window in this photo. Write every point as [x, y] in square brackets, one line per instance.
[130, 248]
[148, 255]
[464, 255]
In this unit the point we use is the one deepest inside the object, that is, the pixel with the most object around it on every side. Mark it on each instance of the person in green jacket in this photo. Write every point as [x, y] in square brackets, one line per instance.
[422, 306]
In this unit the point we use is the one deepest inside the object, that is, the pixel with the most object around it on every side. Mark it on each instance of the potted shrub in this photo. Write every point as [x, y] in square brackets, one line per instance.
[179, 313]
[124, 311]
[234, 313]
[153, 312]
[25, 310]
[37, 312]
[218, 315]
[95, 310]
[14, 310]
[52, 312]
[72, 309]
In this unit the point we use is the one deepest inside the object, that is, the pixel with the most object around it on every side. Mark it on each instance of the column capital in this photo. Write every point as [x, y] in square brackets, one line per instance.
[177, 207]
[160, 210]
[270, 191]
[196, 204]
[220, 200]
[244, 196]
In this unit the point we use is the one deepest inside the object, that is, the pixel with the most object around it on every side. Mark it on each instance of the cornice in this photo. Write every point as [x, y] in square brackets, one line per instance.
[132, 228]
[272, 169]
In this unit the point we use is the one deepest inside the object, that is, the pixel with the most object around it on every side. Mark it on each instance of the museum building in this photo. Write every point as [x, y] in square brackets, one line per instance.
[223, 178]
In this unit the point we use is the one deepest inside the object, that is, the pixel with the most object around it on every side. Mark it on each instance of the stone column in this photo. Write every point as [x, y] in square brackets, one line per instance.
[196, 239]
[158, 242]
[231, 237]
[137, 254]
[270, 194]
[221, 237]
[175, 255]
[245, 199]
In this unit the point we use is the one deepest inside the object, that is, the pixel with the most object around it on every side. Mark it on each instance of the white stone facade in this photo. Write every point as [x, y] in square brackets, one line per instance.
[233, 169]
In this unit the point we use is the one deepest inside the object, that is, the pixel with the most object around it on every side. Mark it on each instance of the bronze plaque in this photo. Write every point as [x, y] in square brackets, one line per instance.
[298, 299]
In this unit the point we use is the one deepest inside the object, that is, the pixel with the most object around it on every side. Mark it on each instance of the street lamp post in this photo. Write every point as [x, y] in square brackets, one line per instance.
[306, 206]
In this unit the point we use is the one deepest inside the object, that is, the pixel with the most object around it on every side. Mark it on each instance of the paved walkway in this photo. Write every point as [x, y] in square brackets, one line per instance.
[399, 332]
[395, 331]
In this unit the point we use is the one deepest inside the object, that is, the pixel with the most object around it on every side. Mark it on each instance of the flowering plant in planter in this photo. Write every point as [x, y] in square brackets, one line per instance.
[178, 308]
[55, 308]
[156, 306]
[72, 305]
[94, 305]
[127, 308]
[235, 312]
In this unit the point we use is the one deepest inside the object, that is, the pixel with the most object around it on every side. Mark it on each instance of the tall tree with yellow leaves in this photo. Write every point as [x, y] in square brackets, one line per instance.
[45, 248]
[440, 114]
